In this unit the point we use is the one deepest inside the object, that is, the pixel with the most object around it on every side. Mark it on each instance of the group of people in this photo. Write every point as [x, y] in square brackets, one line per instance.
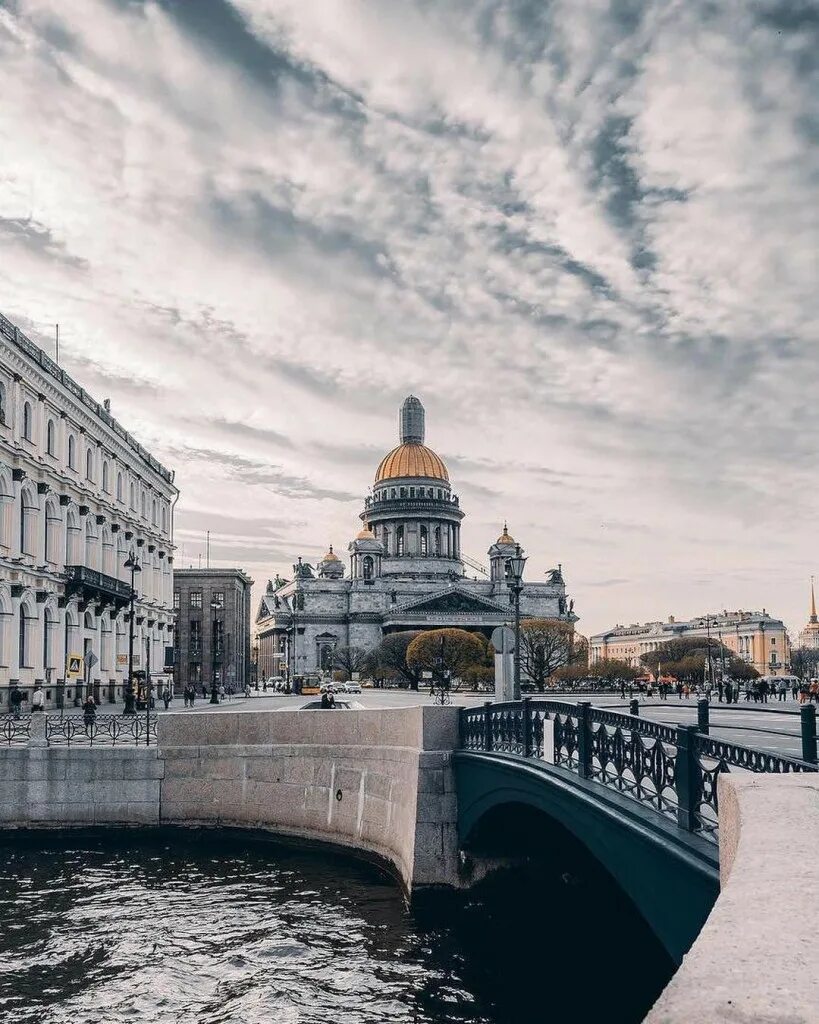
[728, 691]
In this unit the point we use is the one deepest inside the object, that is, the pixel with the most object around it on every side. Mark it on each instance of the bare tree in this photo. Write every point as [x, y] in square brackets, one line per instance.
[545, 646]
[390, 658]
[349, 660]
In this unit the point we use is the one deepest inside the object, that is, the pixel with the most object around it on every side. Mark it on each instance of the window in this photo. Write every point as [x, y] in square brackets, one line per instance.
[50, 437]
[399, 541]
[164, 519]
[412, 492]
[368, 567]
[196, 636]
[105, 477]
[26, 621]
[2, 403]
[176, 599]
[27, 418]
[72, 452]
[437, 540]
[89, 465]
[773, 641]
[153, 512]
[144, 505]
[133, 497]
[196, 599]
[424, 541]
[219, 598]
[119, 487]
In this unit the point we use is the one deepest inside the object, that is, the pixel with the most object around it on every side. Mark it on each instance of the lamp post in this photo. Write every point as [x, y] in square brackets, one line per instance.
[215, 606]
[255, 666]
[516, 565]
[132, 563]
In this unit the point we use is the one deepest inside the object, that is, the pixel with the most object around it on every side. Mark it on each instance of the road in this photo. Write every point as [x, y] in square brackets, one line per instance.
[749, 724]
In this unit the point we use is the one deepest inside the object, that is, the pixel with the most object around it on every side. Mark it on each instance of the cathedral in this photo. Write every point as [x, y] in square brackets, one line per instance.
[406, 571]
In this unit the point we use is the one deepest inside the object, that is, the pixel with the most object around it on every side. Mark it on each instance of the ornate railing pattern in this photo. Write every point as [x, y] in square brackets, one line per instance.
[672, 769]
[102, 730]
[15, 730]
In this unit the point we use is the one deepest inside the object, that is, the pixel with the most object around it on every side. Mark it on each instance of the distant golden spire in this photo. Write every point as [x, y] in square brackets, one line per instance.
[813, 617]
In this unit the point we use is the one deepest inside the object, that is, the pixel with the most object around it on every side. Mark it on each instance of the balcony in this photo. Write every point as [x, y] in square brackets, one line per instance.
[93, 585]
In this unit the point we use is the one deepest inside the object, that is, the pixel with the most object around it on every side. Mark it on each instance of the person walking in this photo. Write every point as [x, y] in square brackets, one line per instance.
[814, 691]
[729, 692]
[748, 689]
[166, 697]
[222, 692]
[15, 700]
[38, 699]
[783, 689]
[89, 712]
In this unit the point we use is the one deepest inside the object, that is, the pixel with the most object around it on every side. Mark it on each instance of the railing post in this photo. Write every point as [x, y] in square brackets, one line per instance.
[526, 722]
[487, 725]
[703, 722]
[687, 777]
[634, 708]
[807, 715]
[584, 759]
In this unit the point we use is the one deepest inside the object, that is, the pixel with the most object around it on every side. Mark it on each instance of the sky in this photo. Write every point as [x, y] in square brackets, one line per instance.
[585, 234]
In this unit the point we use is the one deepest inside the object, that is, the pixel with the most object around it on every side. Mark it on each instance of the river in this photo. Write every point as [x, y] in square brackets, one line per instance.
[222, 928]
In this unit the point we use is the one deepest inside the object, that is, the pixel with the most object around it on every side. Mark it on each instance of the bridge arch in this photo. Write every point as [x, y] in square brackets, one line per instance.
[670, 876]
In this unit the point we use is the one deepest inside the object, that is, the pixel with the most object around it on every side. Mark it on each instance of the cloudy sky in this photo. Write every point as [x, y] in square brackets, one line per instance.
[584, 233]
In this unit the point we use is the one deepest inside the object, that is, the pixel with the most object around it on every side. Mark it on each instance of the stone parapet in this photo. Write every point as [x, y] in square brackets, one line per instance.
[755, 958]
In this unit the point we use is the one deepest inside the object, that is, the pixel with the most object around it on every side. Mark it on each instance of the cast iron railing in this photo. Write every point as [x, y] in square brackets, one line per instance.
[15, 730]
[672, 769]
[102, 730]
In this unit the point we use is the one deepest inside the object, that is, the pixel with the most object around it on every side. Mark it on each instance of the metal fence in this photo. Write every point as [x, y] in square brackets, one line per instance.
[672, 769]
[76, 730]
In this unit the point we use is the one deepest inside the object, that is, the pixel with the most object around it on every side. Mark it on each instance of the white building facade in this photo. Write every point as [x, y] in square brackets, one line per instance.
[77, 495]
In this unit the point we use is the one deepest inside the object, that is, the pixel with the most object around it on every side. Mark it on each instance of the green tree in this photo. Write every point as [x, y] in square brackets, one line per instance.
[441, 651]
[545, 646]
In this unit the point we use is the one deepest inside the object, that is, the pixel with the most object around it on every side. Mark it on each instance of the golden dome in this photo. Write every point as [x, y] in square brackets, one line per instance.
[411, 459]
[505, 538]
[365, 534]
[331, 556]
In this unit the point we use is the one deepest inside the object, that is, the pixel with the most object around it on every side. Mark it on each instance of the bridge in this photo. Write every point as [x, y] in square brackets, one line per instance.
[440, 795]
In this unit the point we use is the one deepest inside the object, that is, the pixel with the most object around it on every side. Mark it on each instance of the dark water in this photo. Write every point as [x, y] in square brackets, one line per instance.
[194, 928]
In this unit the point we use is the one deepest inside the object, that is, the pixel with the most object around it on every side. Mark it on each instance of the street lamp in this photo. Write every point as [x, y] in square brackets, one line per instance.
[215, 606]
[132, 563]
[516, 565]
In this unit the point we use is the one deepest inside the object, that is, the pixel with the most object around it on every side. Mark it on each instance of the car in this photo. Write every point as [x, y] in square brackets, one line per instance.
[351, 687]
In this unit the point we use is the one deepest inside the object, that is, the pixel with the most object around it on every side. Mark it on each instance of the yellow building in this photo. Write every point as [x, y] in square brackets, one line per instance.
[809, 637]
[755, 637]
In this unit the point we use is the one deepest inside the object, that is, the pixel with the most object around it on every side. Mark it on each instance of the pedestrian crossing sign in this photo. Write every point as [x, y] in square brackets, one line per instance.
[74, 665]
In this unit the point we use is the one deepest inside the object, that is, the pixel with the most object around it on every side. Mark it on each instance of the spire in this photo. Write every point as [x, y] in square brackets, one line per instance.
[411, 421]
[813, 617]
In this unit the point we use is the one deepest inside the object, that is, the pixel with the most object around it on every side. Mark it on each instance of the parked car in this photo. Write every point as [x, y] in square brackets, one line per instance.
[351, 687]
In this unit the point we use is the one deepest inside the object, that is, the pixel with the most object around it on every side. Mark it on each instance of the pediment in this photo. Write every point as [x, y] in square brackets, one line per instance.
[453, 601]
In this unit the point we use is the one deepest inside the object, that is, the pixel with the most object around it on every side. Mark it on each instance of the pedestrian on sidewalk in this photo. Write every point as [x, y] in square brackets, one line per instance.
[15, 700]
[89, 712]
[166, 697]
[38, 699]
[783, 689]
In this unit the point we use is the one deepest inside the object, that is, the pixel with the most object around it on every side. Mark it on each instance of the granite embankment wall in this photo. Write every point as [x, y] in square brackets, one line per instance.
[375, 781]
[754, 962]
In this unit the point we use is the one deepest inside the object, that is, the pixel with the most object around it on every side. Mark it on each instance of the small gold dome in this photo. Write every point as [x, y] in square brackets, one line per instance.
[365, 534]
[505, 537]
[331, 556]
[411, 459]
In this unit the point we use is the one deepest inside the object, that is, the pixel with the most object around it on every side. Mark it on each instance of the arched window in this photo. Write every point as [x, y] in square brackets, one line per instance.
[49, 636]
[437, 540]
[144, 505]
[89, 465]
[29, 510]
[53, 522]
[27, 620]
[153, 511]
[6, 507]
[164, 519]
[133, 497]
[385, 540]
[368, 567]
[72, 537]
[72, 452]
[105, 477]
[51, 438]
[119, 487]
[6, 616]
[27, 420]
[108, 552]
[399, 541]
[90, 559]
[3, 417]
[424, 541]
